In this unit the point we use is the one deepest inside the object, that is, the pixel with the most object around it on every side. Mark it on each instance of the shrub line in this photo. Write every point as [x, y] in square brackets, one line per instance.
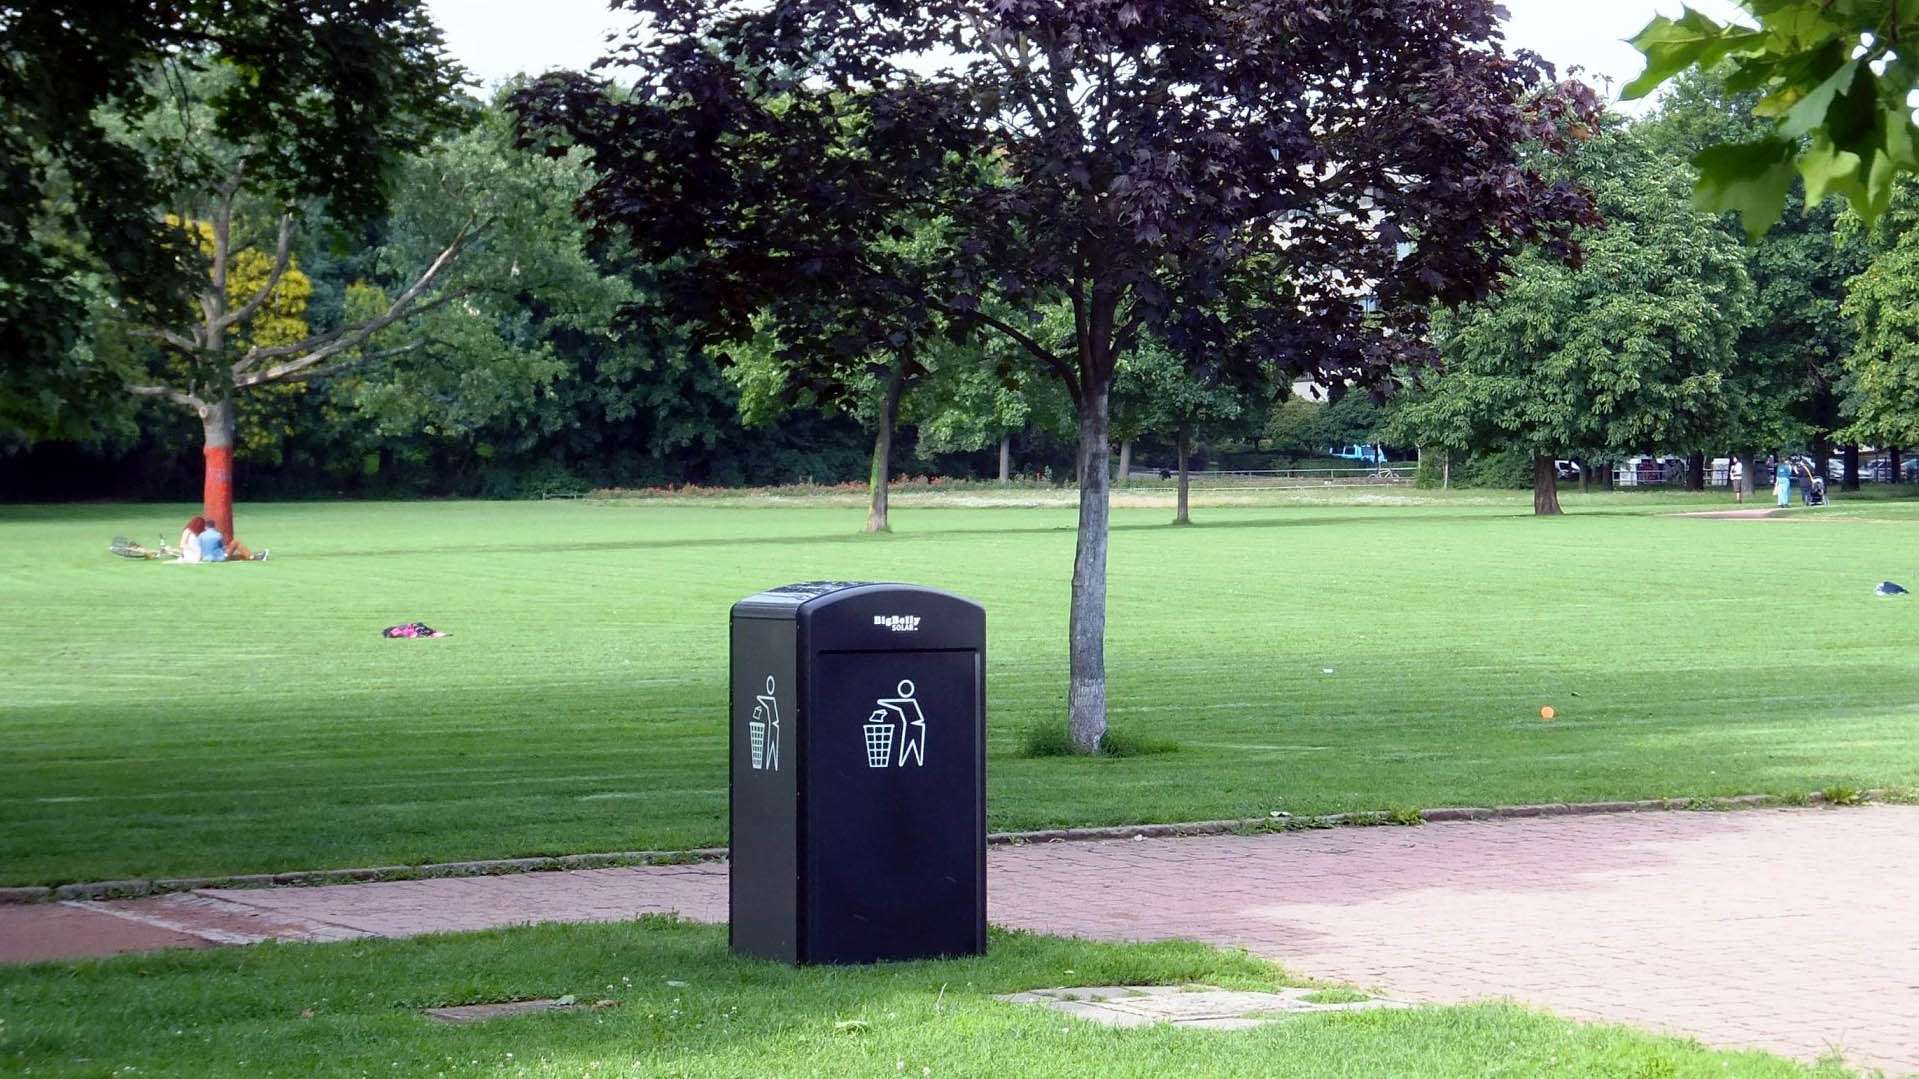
[131, 889]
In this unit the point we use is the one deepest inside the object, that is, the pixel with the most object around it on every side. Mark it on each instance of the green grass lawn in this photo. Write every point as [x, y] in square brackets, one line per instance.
[682, 1007]
[1310, 653]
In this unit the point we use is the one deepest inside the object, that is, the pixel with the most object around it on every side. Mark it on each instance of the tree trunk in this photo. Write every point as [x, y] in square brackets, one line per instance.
[1748, 473]
[1898, 474]
[1181, 514]
[1545, 486]
[1446, 471]
[1821, 454]
[1585, 476]
[1851, 482]
[1696, 471]
[1125, 461]
[1607, 480]
[216, 412]
[881, 478]
[1086, 703]
[216, 491]
[1006, 457]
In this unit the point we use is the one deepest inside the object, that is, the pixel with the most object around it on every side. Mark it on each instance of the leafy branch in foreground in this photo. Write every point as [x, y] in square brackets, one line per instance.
[1835, 81]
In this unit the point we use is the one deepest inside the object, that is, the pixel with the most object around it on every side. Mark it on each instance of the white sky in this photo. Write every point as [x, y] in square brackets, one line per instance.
[497, 38]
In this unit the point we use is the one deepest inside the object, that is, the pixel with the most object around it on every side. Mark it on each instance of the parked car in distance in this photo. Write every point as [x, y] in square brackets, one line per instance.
[1567, 470]
[1371, 455]
[1879, 470]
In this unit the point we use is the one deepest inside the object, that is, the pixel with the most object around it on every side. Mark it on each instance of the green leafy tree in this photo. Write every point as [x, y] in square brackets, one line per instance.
[1308, 427]
[1881, 387]
[1631, 350]
[482, 346]
[319, 97]
[773, 379]
[1156, 392]
[228, 194]
[1785, 388]
[982, 400]
[1833, 83]
[441, 333]
[1883, 402]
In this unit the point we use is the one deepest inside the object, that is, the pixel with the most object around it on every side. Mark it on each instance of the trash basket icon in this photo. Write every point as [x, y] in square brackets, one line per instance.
[879, 739]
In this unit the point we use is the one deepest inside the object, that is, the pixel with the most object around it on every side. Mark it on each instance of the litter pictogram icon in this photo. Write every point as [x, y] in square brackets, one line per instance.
[898, 721]
[763, 731]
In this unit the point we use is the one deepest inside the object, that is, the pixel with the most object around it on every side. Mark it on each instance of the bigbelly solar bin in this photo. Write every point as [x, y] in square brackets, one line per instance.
[858, 774]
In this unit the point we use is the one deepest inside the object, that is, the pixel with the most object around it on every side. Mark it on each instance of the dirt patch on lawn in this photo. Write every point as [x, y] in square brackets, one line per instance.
[1737, 515]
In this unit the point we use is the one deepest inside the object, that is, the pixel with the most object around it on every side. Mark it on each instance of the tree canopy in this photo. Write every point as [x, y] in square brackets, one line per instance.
[1882, 372]
[322, 98]
[1631, 351]
[1785, 388]
[1262, 185]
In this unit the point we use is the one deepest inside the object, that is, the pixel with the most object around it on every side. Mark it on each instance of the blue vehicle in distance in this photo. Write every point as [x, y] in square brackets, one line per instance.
[1364, 454]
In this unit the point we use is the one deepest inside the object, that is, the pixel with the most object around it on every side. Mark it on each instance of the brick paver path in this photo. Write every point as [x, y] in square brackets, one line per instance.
[1790, 930]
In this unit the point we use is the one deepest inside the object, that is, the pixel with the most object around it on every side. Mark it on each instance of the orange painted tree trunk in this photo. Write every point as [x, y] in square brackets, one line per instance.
[216, 490]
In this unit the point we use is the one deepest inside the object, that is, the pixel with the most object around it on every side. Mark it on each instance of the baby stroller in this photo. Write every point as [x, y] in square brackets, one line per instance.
[1814, 490]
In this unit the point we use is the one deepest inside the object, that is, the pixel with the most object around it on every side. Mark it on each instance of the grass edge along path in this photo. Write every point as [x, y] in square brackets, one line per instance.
[130, 889]
[662, 997]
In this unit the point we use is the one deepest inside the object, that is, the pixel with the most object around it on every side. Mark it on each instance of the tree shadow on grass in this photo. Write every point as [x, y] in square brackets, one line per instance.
[898, 536]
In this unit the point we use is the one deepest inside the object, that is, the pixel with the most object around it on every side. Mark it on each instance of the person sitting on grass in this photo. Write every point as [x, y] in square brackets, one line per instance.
[195, 546]
[213, 545]
[219, 548]
[190, 539]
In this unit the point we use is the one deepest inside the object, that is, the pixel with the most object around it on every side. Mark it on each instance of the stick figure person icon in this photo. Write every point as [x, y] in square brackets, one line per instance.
[912, 739]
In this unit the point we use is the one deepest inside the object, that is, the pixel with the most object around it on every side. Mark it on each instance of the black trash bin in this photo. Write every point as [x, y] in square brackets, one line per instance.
[858, 774]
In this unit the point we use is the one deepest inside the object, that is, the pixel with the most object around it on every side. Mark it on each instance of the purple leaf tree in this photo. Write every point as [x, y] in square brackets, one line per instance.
[1280, 184]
